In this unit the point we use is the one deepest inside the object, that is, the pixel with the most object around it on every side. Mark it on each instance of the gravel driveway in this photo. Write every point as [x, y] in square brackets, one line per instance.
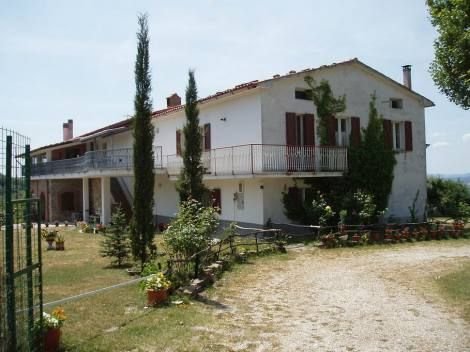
[340, 300]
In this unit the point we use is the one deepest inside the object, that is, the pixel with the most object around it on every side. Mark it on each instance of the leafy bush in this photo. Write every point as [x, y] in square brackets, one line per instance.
[444, 197]
[190, 231]
[361, 209]
[319, 211]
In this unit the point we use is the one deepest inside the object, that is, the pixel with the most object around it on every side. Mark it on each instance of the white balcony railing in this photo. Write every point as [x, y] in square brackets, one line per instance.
[266, 159]
[109, 159]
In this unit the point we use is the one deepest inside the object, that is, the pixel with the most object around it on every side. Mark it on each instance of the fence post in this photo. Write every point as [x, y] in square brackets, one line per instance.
[256, 240]
[9, 260]
[196, 266]
[231, 244]
[29, 250]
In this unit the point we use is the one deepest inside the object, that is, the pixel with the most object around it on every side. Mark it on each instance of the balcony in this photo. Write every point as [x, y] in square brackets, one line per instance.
[93, 162]
[264, 159]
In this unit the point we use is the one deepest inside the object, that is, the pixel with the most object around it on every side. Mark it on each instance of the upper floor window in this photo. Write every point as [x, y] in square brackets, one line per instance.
[396, 103]
[398, 136]
[303, 94]
[342, 131]
[205, 141]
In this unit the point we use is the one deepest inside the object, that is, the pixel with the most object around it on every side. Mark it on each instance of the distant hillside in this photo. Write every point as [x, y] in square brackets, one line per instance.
[465, 178]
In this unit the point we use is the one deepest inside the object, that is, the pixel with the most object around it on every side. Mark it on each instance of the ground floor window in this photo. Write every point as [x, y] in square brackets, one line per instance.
[67, 201]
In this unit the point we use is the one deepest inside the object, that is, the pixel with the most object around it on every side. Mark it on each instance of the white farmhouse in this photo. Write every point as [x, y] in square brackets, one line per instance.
[259, 141]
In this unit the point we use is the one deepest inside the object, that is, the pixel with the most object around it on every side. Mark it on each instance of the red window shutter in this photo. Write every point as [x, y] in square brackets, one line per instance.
[355, 131]
[332, 123]
[216, 199]
[309, 129]
[178, 142]
[408, 136]
[207, 136]
[388, 135]
[290, 129]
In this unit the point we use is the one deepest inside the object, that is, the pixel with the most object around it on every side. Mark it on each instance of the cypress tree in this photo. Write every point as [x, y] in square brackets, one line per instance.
[371, 164]
[190, 181]
[142, 221]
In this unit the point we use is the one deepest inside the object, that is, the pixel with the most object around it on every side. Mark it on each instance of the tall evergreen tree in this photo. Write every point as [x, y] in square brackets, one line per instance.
[190, 181]
[371, 164]
[142, 221]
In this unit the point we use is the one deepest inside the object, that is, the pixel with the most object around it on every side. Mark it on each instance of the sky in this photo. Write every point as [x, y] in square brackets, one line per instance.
[75, 59]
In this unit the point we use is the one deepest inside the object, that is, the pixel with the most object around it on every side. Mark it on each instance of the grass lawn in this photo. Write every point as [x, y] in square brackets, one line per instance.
[455, 287]
[115, 320]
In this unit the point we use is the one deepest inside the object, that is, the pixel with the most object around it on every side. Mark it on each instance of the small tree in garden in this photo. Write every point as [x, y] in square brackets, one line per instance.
[327, 105]
[116, 243]
[361, 209]
[190, 181]
[371, 164]
[190, 231]
[142, 220]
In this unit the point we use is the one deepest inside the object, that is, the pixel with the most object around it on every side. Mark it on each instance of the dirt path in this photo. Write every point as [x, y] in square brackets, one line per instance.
[340, 300]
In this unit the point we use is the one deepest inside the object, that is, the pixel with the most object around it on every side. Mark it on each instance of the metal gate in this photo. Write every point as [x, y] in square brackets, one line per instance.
[20, 248]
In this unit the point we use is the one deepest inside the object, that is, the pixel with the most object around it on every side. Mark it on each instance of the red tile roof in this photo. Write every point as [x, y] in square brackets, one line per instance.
[235, 90]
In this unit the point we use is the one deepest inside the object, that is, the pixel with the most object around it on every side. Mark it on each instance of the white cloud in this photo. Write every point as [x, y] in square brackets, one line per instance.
[439, 144]
[466, 138]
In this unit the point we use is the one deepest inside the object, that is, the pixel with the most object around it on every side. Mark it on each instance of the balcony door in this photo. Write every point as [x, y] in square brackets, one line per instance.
[300, 142]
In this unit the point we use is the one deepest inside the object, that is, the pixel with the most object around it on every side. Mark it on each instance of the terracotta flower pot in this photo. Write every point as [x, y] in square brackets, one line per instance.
[60, 246]
[156, 297]
[52, 340]
[50, 245]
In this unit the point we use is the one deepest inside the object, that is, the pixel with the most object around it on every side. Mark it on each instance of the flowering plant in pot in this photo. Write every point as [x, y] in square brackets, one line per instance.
[50, 333]
[60, 243]
[156, 286]
[49, 236]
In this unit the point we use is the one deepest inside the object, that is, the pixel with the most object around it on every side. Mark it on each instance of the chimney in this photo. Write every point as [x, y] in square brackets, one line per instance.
[407, 76]
[70, 123]
[173, 100]
[67, 130]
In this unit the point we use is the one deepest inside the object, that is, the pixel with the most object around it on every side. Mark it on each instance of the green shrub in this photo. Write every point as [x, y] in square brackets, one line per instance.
[190, 231]
[116, 243]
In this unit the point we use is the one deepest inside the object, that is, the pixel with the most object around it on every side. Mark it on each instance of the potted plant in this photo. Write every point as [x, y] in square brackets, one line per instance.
[49, 237]
[50, 333]
[60, 243]
[156, 287]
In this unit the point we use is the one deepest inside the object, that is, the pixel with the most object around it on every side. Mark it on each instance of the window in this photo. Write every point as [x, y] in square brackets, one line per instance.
[398, 136]
[396, 103]
[303, 94]
[205, 140]
[342, 131]
[300, 129]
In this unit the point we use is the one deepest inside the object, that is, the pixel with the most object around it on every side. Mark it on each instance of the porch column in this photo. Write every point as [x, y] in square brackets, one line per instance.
[86, 199]
[105, 200]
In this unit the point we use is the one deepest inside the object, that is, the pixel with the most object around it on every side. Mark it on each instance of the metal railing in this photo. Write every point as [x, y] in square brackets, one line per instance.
[118, 159]
[267, 159]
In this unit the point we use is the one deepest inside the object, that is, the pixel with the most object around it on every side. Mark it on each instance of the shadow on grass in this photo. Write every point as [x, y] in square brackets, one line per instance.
[211, 303]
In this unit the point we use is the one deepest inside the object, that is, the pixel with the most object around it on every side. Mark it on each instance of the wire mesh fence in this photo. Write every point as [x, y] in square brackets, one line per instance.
[20, 270]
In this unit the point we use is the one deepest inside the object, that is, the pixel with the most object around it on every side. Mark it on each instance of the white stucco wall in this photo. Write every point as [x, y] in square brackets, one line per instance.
[253, 200]
[357, 84]
[242, 125]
